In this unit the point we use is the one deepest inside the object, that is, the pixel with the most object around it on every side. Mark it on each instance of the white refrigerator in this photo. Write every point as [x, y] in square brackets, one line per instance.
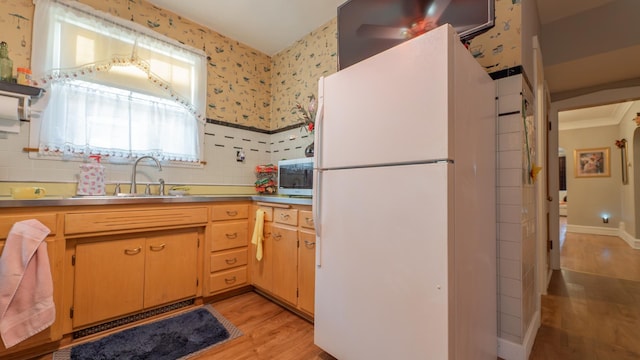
[404, 205]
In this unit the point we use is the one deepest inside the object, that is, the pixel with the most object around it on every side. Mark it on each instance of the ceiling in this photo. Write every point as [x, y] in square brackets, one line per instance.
[585, 43]
[269, 26]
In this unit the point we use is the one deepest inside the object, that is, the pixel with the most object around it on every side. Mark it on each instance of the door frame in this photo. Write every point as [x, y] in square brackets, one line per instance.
[586, 99]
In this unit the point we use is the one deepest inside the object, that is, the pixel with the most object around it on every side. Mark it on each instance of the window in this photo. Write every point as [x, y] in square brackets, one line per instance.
[113, 87]
[562, 162]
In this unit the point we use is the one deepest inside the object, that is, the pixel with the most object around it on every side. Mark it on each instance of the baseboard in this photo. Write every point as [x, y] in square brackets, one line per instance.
[592, 230]
[508, 350]
[619, 232]
[629, 239]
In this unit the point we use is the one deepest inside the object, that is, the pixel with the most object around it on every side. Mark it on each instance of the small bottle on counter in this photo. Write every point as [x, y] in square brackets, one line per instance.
[24, 76]
[6, 64]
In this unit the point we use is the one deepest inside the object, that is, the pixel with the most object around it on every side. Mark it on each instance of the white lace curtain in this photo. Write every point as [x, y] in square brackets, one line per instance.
[114, 87]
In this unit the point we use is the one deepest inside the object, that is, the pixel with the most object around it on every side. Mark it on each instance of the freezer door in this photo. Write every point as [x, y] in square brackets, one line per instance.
[393, 107]
[382, 288]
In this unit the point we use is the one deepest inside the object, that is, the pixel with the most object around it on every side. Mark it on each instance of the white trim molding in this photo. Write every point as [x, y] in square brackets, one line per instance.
[620, 232]
[628, 238]
[508, 350]
[592, 230]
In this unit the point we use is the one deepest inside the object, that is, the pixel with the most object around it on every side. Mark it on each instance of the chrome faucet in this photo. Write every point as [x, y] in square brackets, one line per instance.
[133, 189]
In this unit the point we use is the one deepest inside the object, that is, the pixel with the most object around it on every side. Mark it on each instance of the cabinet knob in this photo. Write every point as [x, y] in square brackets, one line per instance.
[284, 216]
[309, 221]
[308, 243]
[232, 212]
[133, 251]
[277, 236]
[230, 280]
[231, 261]
[231, 236]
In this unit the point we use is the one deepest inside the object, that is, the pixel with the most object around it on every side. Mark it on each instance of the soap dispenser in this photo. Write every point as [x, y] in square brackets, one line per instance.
[91, 179]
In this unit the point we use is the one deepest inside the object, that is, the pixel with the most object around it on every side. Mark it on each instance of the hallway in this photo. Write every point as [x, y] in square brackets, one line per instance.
[592, 309]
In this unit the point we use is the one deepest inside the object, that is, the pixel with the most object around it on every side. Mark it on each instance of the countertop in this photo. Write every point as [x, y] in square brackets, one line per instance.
[8, 202]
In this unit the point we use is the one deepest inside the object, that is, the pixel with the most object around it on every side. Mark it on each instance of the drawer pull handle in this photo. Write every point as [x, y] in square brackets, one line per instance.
[232, 212]
[277, 236]
[133, 251]
[157, 247]
[309, 221]
[230, 280]
[231, 261]
[231, 236]
[308, 243]
[284, 216]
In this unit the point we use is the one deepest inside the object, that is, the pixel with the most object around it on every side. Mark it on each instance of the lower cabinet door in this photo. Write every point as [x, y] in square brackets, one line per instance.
[285, 263]
[306, 270]
[109, 276]
[171, 267]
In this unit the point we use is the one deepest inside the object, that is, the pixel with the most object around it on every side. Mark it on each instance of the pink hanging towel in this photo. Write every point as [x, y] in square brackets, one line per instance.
[26, 287]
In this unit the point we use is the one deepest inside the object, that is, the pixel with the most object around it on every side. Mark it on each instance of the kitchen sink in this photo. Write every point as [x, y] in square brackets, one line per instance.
[123, 196]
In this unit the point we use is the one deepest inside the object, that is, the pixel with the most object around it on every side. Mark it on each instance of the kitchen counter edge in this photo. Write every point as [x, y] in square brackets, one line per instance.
[109, 200]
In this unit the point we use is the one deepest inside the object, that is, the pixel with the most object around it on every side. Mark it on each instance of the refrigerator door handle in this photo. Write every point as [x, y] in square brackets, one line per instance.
[318, 125]
[316, 206]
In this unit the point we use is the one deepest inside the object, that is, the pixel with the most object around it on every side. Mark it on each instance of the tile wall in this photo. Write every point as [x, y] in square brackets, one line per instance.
[221, 144]
[516, 215]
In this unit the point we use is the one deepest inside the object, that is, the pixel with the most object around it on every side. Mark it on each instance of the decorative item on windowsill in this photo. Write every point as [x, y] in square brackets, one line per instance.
[266, 182]
[637, 119]
[308, 118]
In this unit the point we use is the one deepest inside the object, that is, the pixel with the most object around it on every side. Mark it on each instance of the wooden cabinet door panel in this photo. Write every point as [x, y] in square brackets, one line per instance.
[285, 262]
[285, 216]
[227, 279]
[224, 260]
[229, 212]
[305, 219]
[261, 271]
[170, 267]
[229, 235]
[108, 279]
[306, 270]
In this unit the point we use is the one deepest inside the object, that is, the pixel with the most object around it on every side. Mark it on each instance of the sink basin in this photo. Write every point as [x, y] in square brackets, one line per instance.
[123, 196]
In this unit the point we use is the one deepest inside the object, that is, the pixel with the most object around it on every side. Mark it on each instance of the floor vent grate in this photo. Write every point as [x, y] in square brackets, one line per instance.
[129, 319]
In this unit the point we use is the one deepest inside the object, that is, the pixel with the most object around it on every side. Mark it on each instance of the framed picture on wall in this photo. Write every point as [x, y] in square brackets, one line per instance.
[592, 162]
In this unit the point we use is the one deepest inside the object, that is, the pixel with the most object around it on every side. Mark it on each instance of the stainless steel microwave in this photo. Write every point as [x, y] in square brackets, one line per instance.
[295, 177]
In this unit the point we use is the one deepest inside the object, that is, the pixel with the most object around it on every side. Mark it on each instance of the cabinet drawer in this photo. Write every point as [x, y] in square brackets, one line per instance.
[305, 219]
[228, 259]
[228, 279]
[48, 220]
[229, 212]
[93, 222]
[268, 213]
[228, 235]
[286, 216]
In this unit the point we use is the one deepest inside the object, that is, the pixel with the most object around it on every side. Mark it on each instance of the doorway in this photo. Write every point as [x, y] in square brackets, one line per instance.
[624, 222]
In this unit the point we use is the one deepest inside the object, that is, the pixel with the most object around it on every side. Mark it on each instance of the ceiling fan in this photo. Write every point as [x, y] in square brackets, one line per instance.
[424, 15]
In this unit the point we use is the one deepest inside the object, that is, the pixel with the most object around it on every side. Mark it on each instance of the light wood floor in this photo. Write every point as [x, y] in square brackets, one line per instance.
[592, 309]
[270, 332]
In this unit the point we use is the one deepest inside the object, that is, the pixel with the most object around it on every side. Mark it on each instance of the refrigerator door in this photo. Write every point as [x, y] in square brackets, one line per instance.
[394, 107]
[382, 288]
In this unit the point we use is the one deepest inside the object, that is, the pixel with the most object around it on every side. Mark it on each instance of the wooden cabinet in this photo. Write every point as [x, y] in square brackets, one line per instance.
[116, 277]
[55, 250]
[284, 262]
[131, 260]
[226, 267]
[306, 270]
[287, 269]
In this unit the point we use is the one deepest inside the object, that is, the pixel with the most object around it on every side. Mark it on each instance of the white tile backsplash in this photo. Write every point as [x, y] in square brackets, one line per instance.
[219, 147]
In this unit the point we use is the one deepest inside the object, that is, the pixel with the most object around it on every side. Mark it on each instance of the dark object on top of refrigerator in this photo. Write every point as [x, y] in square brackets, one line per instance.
[367, 27]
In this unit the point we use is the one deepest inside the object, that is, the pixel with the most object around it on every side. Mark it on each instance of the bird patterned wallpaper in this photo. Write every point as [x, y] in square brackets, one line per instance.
[246, 87]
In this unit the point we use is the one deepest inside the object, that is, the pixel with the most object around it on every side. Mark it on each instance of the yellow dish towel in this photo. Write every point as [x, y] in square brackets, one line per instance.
[258, 233]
